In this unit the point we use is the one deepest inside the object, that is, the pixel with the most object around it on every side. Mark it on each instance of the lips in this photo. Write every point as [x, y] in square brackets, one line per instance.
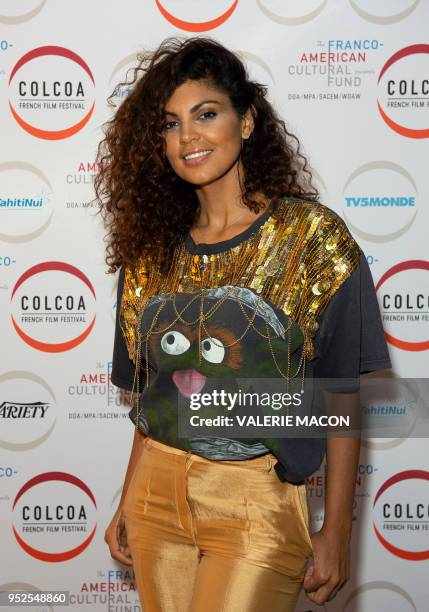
[204, 151]
[199, 160]
[189, 381]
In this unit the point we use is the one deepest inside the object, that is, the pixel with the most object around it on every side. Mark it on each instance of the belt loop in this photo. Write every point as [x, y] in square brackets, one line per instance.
[188, 461]
[270, 462]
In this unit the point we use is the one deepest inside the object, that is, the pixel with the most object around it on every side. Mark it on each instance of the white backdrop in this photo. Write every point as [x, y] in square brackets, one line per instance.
[350, 77]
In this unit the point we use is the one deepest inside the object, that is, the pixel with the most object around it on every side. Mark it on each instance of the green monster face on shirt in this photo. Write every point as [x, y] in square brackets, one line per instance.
[243, 338]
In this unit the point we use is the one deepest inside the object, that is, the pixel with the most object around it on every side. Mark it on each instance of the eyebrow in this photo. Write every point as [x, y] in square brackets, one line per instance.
[195, 107]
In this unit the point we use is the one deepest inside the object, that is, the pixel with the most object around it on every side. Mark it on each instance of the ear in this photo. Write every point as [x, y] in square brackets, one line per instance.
[248, 123]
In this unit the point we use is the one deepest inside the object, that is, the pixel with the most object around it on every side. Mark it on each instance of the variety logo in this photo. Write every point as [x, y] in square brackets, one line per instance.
[295, 17]
[56, 509]
[389, 18]
[405, 303]
[197, 26]
[25, 202]
[49, 86]
[404, 91]
[13, 14]
[50, 299]
[27, 410]
[368, 204]
[401, 511]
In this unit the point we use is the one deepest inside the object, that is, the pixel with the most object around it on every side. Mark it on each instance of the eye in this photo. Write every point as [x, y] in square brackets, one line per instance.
[174, 343]
[212, 113]
[169, 125]
[213, 350]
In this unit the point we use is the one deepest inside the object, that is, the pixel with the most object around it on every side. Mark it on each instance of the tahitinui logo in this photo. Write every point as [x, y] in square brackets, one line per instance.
[25, 202]
[49, 300]
[54, 509]
[401, 515]
[378, 595]
[385, 6]
[313, 10]
[186, 20]
[14, 13]
[27, 410]
[120, 74]
[404, 91]
[389, 406]
[405, 304]
[49, 87]
[369, 204]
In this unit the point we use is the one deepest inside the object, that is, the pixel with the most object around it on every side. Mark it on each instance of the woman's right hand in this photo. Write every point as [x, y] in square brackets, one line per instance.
[116, 538]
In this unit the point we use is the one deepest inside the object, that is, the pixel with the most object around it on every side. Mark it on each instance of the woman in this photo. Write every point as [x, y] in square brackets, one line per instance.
[229, 268]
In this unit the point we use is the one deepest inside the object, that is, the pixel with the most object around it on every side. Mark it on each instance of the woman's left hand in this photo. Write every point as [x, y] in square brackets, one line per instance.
[331, 562]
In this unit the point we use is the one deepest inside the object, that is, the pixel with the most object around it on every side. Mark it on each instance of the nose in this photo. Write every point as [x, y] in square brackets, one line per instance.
[187, 133]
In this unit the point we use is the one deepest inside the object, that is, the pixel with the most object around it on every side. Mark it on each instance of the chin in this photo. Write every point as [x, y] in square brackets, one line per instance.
[201, 179]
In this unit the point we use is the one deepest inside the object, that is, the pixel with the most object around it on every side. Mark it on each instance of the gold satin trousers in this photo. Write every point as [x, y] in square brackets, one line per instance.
[215, 536]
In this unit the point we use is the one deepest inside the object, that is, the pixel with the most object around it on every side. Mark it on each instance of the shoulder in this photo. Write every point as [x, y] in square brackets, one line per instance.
[319, 229]
[320, 255]
[309, 214]
[132, 280]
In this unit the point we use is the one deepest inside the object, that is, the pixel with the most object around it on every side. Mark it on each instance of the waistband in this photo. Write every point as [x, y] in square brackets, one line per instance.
[262, 462]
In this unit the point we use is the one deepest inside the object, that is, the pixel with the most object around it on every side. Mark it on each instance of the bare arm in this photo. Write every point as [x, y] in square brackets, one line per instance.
[332, 543]
[115, 535]
[136, 451]
[342, 458]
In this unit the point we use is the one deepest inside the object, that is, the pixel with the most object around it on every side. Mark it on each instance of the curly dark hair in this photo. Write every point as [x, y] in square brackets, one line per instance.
[146, 207]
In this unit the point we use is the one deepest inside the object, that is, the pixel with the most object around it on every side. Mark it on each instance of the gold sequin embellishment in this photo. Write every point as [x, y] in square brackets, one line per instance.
[296, 260]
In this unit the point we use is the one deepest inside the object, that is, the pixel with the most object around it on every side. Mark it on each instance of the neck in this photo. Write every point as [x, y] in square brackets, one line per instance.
[221, 202]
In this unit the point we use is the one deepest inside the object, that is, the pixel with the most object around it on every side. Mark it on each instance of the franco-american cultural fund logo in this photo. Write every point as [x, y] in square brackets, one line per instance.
[401, 515]
[27, 410]
[403, 86]
[51, 92]
[53, 306]
[404, 304]
[54, 516]
[204, 21]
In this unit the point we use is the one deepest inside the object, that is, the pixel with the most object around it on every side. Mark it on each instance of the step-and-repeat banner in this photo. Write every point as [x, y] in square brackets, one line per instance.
[351, 79]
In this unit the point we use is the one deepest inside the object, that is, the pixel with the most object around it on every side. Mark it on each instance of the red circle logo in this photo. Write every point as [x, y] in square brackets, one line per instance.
[35, 510]
[53, 307]
[412, 264]
[50, 94]
[201, 26]
[403, 512]
[406, 94]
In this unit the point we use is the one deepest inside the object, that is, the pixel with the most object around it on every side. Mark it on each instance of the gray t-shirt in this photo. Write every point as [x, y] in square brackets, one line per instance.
[349, 341]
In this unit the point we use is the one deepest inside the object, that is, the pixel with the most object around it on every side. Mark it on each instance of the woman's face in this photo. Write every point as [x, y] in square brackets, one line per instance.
[203, 132]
